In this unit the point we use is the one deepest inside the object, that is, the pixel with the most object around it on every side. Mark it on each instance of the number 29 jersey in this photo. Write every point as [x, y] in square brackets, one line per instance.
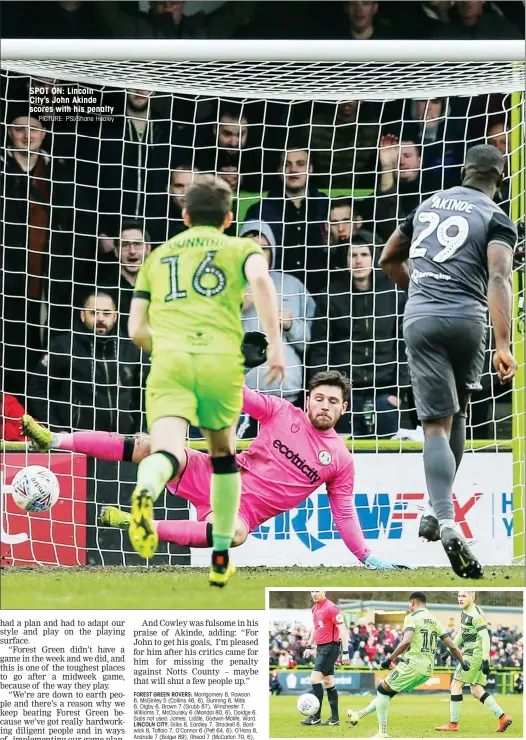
[196, 284]
[427, 632]
[448, 265]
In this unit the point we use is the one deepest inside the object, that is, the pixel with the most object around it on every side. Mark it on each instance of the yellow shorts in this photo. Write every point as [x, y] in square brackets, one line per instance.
[207, 390]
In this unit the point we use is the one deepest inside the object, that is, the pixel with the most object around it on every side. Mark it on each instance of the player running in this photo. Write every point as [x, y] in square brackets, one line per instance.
[293, 455]
[328, 637]
[419, 644]
[460, 248]
[186, 312]
[473, 636]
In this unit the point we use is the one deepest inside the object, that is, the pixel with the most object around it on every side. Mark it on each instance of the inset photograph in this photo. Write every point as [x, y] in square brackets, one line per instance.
[415, 663]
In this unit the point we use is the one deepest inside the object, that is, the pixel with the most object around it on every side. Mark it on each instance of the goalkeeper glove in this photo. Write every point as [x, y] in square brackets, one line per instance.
[254, 348]
[466, 665]
[376, 563]
[386, 664]
[486, 670]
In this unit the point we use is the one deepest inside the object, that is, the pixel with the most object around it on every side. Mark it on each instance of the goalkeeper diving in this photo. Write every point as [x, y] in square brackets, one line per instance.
[186, 312]
[295, 453]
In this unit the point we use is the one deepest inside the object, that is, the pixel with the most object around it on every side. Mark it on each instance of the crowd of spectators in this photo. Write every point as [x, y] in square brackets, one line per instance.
[321, 186]
[435, 19]
[370, 644]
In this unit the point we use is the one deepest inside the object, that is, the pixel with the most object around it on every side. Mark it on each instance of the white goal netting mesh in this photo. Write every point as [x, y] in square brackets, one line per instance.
[324, 160]
[291, 79]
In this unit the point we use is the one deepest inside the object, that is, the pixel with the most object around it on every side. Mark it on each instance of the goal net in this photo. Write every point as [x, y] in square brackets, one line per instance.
[325, 156]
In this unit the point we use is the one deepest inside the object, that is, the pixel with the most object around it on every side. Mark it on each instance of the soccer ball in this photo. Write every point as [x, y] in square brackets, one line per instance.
[308, 704]
[35, 488]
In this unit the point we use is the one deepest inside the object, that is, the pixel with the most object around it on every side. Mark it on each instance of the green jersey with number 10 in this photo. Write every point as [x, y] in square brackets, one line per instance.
[427, 631]
[196, 284]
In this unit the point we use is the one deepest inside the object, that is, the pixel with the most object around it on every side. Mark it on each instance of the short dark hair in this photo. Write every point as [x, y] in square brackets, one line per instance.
[484, 162]
[331, 377]
[134, 223]
[418, 596]
[97, 293]
[341, 203]
[208, 201]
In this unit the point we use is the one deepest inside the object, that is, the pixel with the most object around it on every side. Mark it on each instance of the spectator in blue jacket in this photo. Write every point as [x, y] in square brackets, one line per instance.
[298, 216]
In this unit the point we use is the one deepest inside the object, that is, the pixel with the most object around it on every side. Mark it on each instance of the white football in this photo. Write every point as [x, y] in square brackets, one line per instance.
[35, 488]
[308, 704]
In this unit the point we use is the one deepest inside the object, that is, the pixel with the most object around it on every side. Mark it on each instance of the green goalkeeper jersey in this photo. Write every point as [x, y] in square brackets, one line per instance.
[427, 631]
[472, 628]
[196, 284]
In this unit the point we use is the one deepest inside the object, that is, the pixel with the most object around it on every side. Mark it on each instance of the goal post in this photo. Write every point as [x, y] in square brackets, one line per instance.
[518, 191]
[293, 72]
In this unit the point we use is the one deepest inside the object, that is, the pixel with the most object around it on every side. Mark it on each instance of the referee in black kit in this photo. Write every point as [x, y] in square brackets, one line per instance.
[328, 635]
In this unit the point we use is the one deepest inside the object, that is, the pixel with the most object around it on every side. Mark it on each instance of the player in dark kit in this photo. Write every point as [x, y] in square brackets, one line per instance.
[460, 248]
[328, 636]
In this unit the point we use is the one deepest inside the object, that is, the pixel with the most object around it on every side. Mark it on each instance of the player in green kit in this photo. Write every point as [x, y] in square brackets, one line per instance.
[419, 644]
[473, 636]
[186, 311]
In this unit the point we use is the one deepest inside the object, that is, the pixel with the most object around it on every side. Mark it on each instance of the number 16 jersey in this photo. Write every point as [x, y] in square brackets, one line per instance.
[427, 632]
[196, 284]
[448, 264]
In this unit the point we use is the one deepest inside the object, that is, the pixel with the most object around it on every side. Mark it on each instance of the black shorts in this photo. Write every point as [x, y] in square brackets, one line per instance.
[326, 657]
[446, 358]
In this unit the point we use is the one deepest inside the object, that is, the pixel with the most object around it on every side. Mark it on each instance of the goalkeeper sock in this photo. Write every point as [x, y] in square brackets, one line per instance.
[455, 705]
[382, 710]
[155, 471]
[490, 703]
[332, 696]
[369, 709]
[225, 496]
[182, 532]
[457, 438]
[439, 467]
[102, 445]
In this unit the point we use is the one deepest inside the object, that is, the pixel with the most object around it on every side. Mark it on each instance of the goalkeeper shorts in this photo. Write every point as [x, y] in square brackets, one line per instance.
[204, 389]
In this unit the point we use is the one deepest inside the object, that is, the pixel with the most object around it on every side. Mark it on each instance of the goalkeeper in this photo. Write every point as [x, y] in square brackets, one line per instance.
[473, 636]
[293, 455]
[186, 311]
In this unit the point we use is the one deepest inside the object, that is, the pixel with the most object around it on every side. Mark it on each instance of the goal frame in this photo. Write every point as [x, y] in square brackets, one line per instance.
[389, 51]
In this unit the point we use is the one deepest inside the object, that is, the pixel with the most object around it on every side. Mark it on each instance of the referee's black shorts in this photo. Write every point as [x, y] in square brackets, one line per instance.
[326, 656]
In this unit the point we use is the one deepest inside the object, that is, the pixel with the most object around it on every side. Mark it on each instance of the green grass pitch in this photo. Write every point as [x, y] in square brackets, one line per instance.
[410, 715]
[185, 587]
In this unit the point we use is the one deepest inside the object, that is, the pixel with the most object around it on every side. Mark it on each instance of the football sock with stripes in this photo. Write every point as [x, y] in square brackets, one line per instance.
[225, 496]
